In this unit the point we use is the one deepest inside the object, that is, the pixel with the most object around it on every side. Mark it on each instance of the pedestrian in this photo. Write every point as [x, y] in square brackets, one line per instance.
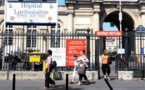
[105, 65]
[76, 63]
[108, 67]
[83, 63]
[54, 69]
[108, 71]
[49, 68]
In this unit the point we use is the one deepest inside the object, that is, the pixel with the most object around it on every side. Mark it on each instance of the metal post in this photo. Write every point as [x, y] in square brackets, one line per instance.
[3, 58]
[56, 26]
[66, 82]
[88, 47]
[97, 53]
[3, 50]
[141, 56]
[120, 19]
[126, 49]
[8, 73]
[14, 82]
[88, 44]
[143, 68]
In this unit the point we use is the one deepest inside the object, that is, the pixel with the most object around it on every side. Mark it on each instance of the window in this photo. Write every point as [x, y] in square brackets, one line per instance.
[55, 37]
[31, 36]
[8, 35]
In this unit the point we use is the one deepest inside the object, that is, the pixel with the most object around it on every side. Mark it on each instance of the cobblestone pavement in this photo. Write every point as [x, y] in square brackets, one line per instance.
[99, 85]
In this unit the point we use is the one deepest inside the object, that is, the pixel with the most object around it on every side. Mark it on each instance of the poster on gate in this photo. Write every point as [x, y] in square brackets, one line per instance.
[73, 46]
[58, 55]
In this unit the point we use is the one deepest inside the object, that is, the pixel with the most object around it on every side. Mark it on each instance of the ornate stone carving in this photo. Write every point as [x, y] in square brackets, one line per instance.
[136, 13]
[108, 11]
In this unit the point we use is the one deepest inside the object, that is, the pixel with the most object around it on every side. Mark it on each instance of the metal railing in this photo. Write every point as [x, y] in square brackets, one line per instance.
[20, 42]
[14, 47]
[134, 57]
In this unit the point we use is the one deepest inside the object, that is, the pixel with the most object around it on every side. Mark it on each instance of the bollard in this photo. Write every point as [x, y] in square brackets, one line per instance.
[14, 82]
[66, 82]
[8, 74]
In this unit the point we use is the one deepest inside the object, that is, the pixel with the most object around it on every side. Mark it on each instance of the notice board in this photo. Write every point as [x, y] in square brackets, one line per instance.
[74, 46]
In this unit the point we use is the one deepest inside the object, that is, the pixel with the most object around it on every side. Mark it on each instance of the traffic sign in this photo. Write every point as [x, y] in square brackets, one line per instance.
[109, 33]
[140, 29]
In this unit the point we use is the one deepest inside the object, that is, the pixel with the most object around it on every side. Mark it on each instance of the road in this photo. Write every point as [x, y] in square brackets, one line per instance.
[99, 85]
[60, 85]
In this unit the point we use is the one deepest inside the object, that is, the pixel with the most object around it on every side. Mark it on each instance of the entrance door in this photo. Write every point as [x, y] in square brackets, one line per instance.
[102, 44]
[112, 44]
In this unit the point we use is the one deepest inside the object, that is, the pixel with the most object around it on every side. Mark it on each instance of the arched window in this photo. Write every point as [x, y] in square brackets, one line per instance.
[31, 36]
[55, 37]
[8, 36]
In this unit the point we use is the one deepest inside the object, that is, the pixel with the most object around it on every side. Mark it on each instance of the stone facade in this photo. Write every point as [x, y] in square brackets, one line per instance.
[84, 14]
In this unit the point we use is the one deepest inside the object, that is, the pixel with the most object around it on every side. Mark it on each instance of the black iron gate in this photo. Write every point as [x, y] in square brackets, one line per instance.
[132, 60]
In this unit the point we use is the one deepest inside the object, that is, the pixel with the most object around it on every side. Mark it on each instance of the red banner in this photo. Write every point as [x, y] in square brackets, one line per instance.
[109, 33]
[73, 46]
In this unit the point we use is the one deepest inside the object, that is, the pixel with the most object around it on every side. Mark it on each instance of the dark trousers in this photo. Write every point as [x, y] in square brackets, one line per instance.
[106, 69]
[48, 80]
[83, 75]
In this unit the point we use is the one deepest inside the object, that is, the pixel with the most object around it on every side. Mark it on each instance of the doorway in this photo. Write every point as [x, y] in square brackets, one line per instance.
[112, 44]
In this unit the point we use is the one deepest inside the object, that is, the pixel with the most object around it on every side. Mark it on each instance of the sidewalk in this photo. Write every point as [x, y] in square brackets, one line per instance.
[60, 85]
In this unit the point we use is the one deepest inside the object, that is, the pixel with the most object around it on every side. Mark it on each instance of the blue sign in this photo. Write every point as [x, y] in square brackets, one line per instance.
[140, 29]
[142, 51]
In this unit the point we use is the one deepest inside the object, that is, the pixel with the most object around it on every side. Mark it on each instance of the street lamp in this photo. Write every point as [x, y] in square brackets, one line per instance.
[120, 19]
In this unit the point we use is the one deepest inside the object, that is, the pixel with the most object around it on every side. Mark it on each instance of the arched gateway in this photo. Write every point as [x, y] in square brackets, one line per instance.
[93, 13]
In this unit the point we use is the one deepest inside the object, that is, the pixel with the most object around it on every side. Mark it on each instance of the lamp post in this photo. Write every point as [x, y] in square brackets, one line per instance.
[88, 46]
[120, 19]
[56, 26]
[3, 37]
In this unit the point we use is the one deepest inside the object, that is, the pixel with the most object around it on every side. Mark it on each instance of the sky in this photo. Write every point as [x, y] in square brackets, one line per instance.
[61, 2]
[106, 26]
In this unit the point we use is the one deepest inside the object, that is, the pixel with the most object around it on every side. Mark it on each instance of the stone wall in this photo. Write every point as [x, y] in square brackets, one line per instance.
[32, 75]
[125, 75]
[21, 75]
